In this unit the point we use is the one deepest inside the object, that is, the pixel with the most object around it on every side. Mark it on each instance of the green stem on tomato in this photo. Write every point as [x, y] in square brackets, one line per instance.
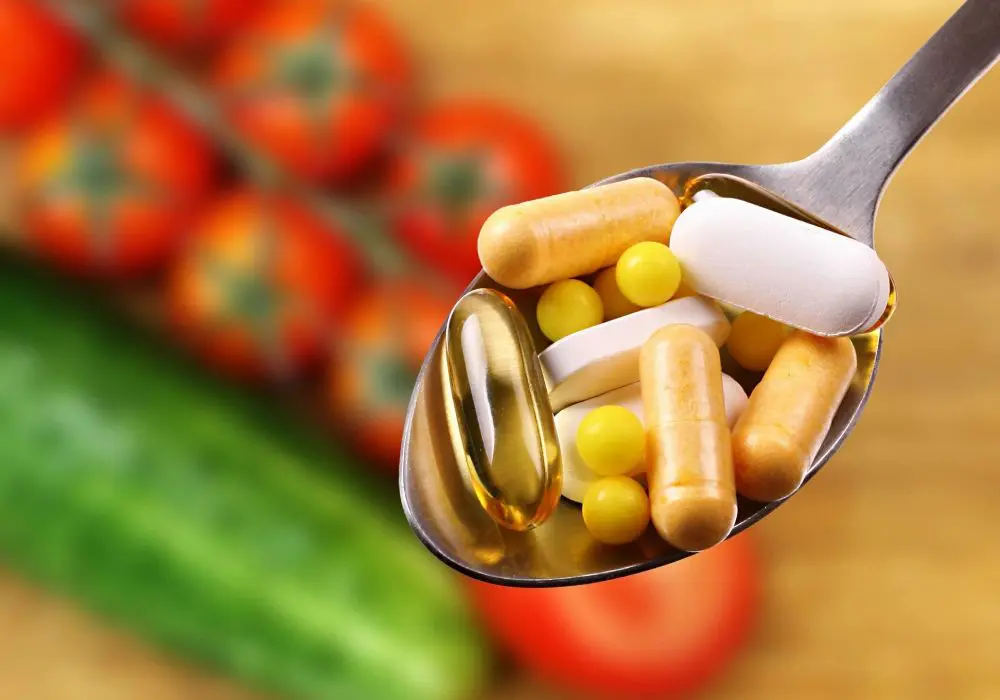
[361, 222]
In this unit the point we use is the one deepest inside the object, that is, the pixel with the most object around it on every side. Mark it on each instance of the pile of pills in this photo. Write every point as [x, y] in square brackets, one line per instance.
[626, 410]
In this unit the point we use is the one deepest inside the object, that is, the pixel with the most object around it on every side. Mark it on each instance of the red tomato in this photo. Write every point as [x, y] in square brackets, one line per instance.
[466, 160]
[666, 631]
[40, 57]
[110, 188]
[258, 289]
[183, 23]
[319, 84]
[385, 337]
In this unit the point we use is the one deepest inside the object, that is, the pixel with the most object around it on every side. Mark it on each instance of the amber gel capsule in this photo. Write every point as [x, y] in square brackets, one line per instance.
[501, 420]
[789, 413]
[691, 491]
[575, 233]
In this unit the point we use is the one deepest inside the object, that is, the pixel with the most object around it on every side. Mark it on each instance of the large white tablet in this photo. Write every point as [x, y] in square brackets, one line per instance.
[802, 275]
[598, 359]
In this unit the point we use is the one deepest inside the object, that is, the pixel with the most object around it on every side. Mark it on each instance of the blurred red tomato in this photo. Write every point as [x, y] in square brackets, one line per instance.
[386, 336]
[258, 289]
[184, 23]
[665, 631]
[320, 84]
[39, 59]
[466, 160]
[110, 187]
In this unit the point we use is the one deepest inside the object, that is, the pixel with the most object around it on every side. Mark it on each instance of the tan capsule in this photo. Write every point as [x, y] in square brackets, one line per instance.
[789, 414]
[575, 233]
[691, 491]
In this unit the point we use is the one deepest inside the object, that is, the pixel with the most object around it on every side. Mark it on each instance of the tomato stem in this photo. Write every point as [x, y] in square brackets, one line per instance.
[364, 222]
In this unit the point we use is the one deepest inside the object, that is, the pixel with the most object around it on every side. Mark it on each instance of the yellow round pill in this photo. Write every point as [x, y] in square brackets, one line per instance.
[611, 441]
[616, 510]
[567, 307]
[754, 340]
[648, 273]
[615, 303]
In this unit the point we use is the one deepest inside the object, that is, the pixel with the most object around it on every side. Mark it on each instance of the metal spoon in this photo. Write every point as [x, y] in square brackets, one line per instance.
[839, 185]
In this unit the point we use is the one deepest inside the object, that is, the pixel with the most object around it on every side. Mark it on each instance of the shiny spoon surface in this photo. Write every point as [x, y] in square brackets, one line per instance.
[838, 186]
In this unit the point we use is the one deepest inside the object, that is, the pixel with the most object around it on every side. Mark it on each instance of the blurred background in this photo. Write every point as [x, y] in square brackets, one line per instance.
[277, 203]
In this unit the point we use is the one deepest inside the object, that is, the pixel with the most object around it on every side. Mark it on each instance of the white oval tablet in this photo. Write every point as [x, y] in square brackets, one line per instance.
[735, 397]
[777, 266]
[598, 359]
[577, 477]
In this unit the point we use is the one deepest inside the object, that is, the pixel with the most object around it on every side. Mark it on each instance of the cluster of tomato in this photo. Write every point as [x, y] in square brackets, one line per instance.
[112, 181]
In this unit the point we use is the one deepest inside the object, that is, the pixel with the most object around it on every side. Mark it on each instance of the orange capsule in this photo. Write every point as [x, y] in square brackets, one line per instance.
[691, 490]
[789, 413]
[574, 233]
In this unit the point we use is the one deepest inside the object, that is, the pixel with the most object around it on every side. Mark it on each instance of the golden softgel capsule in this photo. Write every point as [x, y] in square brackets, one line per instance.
[789, 414]
[574, 233]
[499, 415]
[691, 491]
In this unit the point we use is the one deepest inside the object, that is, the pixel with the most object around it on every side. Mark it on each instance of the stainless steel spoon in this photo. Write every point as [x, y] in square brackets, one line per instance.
[839, 185]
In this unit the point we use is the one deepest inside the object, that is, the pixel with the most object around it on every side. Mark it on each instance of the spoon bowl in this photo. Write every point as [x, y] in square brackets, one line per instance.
[838, 187]
[451, 522]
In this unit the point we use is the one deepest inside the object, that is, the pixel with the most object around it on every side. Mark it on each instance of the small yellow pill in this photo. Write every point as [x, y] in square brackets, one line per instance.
[789, 413]
[754, 340]
[567, 307]
[574, 233]
[616, 510]
[648, 274]
[615, 303]
[611, 440]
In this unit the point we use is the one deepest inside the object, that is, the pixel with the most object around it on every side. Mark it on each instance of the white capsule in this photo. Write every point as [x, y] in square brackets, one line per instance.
[802, 275]
[577, 476]
[598, 359]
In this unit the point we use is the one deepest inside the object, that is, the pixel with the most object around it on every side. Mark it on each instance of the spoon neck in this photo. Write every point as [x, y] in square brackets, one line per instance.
[845, 178]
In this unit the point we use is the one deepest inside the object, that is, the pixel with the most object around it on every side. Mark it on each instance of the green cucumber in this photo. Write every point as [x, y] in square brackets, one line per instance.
[185, 509]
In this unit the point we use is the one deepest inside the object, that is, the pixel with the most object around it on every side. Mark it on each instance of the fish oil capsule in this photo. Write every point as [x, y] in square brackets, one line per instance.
[789, 413]
[691, 491]
[574, 233]
[500, 420]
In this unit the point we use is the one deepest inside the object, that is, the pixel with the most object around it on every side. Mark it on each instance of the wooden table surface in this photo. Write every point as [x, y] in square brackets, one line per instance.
[883, 575]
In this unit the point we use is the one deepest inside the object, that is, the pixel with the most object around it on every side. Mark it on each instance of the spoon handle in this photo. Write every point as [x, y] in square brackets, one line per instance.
[846, 176]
